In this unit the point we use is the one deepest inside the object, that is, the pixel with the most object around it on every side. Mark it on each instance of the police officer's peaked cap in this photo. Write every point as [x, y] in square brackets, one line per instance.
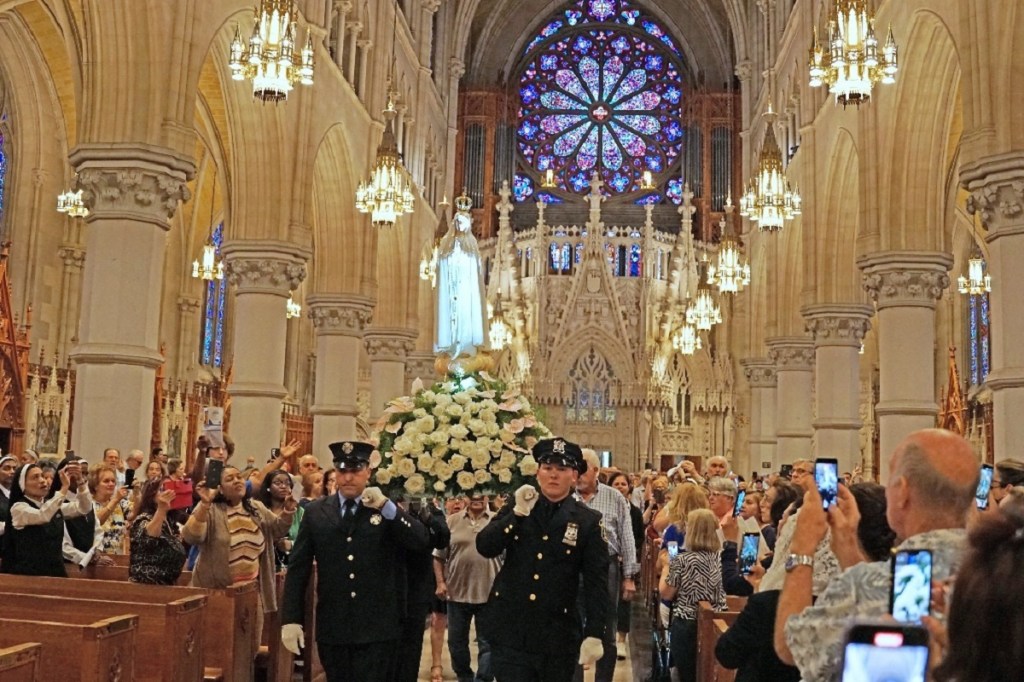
[351, 454]
[561, 452]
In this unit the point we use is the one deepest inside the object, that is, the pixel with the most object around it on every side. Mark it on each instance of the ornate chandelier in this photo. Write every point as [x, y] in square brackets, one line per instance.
[852, 66]
[731, 272]
[768, 199]
[499, 333]
[703, 312]
[269, 58]
[211, 267]
[386, 195]
[292, 309]
[686, 340]
[978, 281]
[71, 203]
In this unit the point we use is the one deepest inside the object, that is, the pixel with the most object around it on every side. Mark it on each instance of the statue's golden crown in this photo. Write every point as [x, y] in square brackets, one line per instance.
[463, 202]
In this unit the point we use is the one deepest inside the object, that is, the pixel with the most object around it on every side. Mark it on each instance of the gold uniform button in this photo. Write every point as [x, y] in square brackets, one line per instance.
[516, 537]
[540, 555]
[349, 539]
[351, 576]
[533, 597]
[536, 577]
[544, 538]
[568, 551]
[353, 595]
[508, 529]
[350, 557]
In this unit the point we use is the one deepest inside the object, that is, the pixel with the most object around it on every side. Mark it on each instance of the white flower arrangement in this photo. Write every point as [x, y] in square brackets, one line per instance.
[462, 435]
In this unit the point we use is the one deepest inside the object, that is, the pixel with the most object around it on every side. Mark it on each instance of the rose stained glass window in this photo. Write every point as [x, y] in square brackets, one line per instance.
[600, 90]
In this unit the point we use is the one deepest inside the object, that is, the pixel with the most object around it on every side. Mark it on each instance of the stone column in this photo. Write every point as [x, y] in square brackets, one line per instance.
[387, 348]
[73, 257]
[131, 204]
[838, 330]
[339, 321]
[997, 194]
[188, 319]
[793, 357]
[763, 380]
[350, 72]
[905, 286]
[261, 274]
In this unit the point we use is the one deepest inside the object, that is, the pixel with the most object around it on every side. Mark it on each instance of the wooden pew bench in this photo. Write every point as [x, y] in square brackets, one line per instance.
[708, 633]
[83, 648]
[229, 619]
[720, 673]
[169, 637]
[20, 662]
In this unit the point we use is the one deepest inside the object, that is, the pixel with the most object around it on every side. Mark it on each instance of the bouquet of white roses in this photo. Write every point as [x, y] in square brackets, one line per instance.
[462, 435]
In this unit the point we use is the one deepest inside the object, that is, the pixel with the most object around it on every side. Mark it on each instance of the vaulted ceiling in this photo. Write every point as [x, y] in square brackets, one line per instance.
[500, 29]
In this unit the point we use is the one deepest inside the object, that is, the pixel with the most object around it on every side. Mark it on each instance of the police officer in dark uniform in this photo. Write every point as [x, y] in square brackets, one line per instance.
[359, 540]
[550, 541]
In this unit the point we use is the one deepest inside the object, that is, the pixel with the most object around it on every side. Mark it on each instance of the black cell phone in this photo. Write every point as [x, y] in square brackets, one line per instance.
[885, 651]
[826, 476]
[214, 470]
[740, 497]
[69, 456]
[129, 477]
[910, 595]
[274, 453]
[984, 485]
[748, 552]
[786, 470]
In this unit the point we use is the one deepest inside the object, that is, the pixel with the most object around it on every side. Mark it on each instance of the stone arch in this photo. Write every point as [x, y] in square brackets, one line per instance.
[612, 349]
[837, 276]
[921, 113]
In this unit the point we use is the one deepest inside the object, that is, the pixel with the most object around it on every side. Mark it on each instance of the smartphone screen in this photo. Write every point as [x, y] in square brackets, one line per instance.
[885, 652]
[826, 475]
[274, 453]
[748, 552]
[984, 485]
[911, 593]
[786, 470]
[673, 549]
[214, 470]
[129, 477]
[740, 497]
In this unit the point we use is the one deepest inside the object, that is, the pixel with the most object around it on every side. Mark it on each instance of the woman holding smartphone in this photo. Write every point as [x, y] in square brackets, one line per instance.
[235, 537]
[158, 554]
[33, 541]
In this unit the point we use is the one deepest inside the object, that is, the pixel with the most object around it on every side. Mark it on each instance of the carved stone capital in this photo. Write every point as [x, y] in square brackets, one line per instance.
[390, 344]
[760, 372]
[72, 256]
[744, 70]
[340, 315]
[905, 278]
[837, 325]
[268, 267]
[145, 194]
[188, 305]
[791, 353]
[344, 7]
[355, 27]
[996, 185]
[456, 68]
[431, 5]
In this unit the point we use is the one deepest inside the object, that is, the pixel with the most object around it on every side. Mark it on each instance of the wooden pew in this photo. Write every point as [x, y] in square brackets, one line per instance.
[170, 633]
[720, 673]
[83, 648]
[229, 641]
[272, 657]
[20, 662]
[707, 634]
[121, 573]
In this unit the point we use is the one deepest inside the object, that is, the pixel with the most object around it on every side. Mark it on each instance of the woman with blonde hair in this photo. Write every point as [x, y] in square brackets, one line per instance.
[693, 576]
[672, 521]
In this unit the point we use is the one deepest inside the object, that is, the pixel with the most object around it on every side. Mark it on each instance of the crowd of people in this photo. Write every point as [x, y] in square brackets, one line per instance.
[549, 575]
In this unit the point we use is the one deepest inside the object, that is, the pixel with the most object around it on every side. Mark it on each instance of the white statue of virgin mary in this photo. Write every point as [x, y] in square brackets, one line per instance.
[460, 284]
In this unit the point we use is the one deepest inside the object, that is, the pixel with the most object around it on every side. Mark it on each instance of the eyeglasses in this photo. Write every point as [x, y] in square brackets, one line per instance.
[802, 471]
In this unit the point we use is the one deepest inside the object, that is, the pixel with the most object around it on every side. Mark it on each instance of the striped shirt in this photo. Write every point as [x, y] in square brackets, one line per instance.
[247, 544]
[617, 525]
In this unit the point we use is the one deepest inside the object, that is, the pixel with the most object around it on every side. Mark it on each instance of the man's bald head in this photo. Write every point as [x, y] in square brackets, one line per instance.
[932, 478]
[308, 464]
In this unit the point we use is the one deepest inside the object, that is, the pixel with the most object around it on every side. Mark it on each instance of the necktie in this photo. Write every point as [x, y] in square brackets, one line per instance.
[350, 509]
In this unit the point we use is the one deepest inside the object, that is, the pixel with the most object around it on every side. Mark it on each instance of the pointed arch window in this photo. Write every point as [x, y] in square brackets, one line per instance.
[979, 343]
[3, 172]
[211, 348]
[590, 396]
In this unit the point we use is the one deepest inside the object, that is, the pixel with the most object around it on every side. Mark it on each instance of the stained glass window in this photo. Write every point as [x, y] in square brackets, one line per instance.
[600, 90]
[3, 175]
[980, 346]
[590, 396]
[214, 304]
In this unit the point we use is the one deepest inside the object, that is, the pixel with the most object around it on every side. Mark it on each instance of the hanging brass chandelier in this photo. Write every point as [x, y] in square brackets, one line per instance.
[850, 64]
[703, 312]
[686, 340]
[291, 308]
[769, 200]
[730, 272]
[71, 203]
[499, 332]
[210, 267]
[268, 60]
[977, 281]
[386, 195]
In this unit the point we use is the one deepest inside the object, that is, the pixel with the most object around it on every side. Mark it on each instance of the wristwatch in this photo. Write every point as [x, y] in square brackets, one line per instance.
[794, 560]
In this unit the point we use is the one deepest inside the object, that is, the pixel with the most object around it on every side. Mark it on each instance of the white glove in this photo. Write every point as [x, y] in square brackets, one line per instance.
[591, 650]
[292, 637]
[374, 498]
[526, 498]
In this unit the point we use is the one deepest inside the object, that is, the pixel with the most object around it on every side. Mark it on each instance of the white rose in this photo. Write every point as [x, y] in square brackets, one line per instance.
[458, 432]
[480, 460]
[439, 486]
[453, 410]
[425, 424]
[458, 462]
[505, 475]
[476, 426]
[440, 437]
[382, 476]
[438, 411]
[495, 446]
[405, 467]
[528, 465]
[419, 412]
[403, 443]
[425, 463]
[493, 429]
[443, 400]
[473, 407]
[466, 480]
[429, 396]
[482, 476]
[415, 484]
[440, 450]
[487, 415]
[462, 398]
[507, 459]
[443, 470]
